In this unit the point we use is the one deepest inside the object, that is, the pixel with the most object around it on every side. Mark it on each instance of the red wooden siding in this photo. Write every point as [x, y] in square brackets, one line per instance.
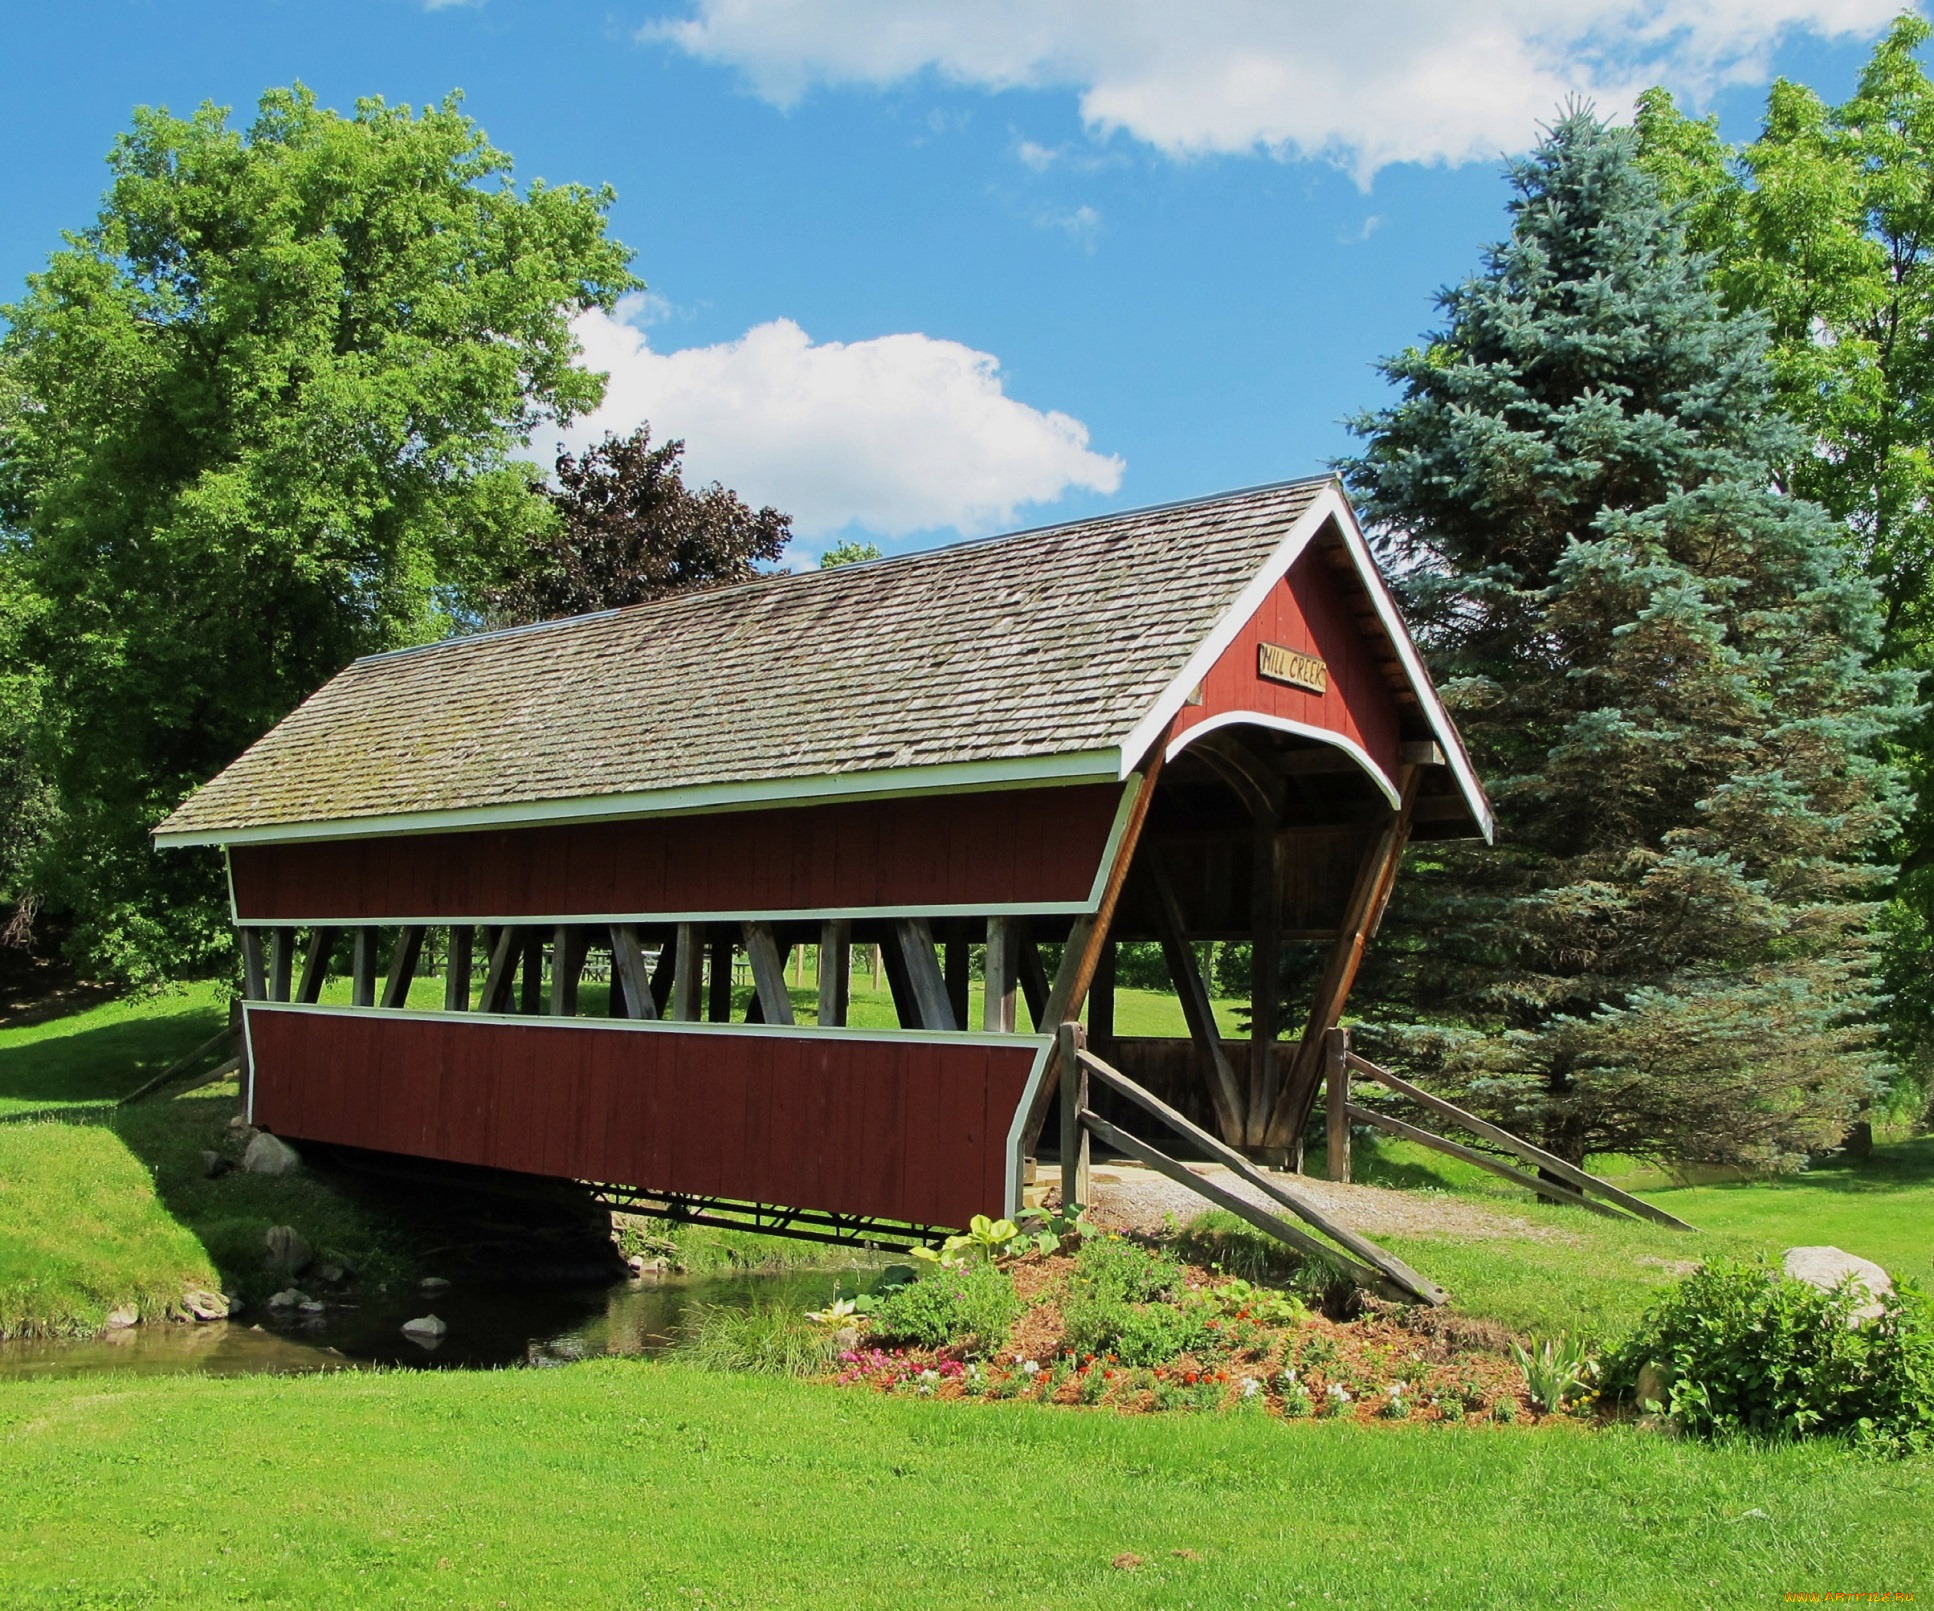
[1306, 611]
[1034, 847]
[899, 1129]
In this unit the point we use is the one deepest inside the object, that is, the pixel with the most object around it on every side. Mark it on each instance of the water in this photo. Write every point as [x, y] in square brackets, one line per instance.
[489, 1326]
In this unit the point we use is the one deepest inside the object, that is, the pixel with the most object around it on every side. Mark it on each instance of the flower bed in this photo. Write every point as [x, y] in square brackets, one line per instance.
[1260, 1352]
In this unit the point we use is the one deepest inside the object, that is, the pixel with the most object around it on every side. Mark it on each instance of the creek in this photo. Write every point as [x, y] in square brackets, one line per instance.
[490, 1326]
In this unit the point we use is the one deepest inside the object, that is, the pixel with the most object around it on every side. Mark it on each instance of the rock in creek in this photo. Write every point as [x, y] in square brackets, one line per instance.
[287, 1249]
[425, 1329]
[431, 1285]
[120, 1319]
[205, 1305]
[288, 1298]
[267, 1155]
[1827, 1267]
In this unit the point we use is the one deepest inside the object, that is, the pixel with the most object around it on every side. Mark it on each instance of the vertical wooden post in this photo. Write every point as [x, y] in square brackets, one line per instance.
[1101, 1001]
[835, 971]
[1198, 1007]
[530, 992]
[1336, 1100]
[456, 968]
[567, 967]
[1265, 977]
[1033, 975]
[688, 975]
[877, 961]
[255, 985]
[315, 964]
[1074, 1134]
[718, 1005]
[1376, 876]
[661, 977]
[362, 969]
[281, 964]
[1003, 956]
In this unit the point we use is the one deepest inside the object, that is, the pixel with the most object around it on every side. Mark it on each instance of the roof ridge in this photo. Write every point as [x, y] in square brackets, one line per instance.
[772, 579]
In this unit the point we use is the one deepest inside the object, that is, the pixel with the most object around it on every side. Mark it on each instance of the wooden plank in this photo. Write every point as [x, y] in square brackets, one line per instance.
[1074, 1103]
[456, 968]
[1258, 1216]
[629, 980]
[835, 971]
[403, 959]
[661, 977]
[281, 963]
[1483, 1160]
[255, 979]
[1389, 1264]
[1336, 1070]
[688, 974]
[1101, 999]
[914, 936]
[1032, 975]
[768, 973]
[1376, 877]
[362, 970]
[957, 975]
[1002, 961]
[506, 947]
[1224, 1092]
[718, 1001]
[181, 1065]
[530, 991]
[1568, 1172]
[315, 964]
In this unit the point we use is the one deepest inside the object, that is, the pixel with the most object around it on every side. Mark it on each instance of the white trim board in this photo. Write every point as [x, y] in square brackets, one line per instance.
[783, 915]
[1281, 724]
[965, 777]
[655, 1026]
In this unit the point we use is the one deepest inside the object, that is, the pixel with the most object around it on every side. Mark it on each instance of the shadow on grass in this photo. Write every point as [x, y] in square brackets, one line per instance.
[101, 1062]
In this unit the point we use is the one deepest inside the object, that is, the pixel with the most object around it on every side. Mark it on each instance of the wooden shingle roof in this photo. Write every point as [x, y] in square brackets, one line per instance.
[1036, 655]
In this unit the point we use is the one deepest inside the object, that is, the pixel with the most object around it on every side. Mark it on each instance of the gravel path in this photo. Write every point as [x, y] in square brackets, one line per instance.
[1130, 1198]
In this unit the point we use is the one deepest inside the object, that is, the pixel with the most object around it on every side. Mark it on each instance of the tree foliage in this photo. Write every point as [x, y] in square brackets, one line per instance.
[1659, 660]
[1825, 223]
[258, 420]
[629, 530]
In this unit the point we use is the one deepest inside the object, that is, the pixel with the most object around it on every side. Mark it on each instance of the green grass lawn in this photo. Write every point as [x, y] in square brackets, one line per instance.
[626, 1484]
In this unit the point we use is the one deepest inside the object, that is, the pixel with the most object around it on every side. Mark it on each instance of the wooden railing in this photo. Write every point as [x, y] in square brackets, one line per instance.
[1356, 1255]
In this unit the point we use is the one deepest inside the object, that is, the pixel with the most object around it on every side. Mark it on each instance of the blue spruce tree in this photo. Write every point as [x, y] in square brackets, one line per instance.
[1662, 666]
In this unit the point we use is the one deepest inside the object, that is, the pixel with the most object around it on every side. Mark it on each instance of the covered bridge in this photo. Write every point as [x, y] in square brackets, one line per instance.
[1202, 721]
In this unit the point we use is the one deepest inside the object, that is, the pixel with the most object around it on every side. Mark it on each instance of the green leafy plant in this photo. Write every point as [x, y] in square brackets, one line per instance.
[1556, 1370]
[1240, 1298]
[768, 1339]
[1748, 1349]
[971, 1305]
[983, 1241]
[1046, 1232]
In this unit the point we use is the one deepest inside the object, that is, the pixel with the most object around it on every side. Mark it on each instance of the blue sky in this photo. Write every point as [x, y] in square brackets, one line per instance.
[1127, 251]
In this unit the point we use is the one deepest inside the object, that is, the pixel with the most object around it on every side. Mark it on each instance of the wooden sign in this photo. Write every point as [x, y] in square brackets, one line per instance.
[1278, 663]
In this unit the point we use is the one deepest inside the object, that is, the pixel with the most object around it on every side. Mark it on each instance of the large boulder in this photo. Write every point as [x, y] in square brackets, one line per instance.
[287, 1249]
[268, 1155]
[1828, 1267]
[426, 1331]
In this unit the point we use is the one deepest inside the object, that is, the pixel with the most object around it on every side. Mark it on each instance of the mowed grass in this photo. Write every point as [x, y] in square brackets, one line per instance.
[636, 1485]
[95, 1057]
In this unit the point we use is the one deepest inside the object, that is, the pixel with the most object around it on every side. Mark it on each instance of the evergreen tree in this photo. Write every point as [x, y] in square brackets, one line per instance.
[1660, 663]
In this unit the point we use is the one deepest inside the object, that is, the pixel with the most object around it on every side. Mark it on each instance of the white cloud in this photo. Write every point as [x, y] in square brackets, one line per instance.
[1364, 85]
[899, 434]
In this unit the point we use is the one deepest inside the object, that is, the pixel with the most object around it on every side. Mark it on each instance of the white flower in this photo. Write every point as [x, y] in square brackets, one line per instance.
[1289, 1378]
[1030, 1367]
[1339, 1393]
[1251, 1388]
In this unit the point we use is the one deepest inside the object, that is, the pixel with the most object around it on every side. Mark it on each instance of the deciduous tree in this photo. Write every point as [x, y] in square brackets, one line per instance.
[262, 417]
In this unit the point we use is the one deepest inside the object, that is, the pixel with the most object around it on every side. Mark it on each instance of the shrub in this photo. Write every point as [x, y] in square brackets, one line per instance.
[1747, 1349]
[1114, 1305]
[973, 1305]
